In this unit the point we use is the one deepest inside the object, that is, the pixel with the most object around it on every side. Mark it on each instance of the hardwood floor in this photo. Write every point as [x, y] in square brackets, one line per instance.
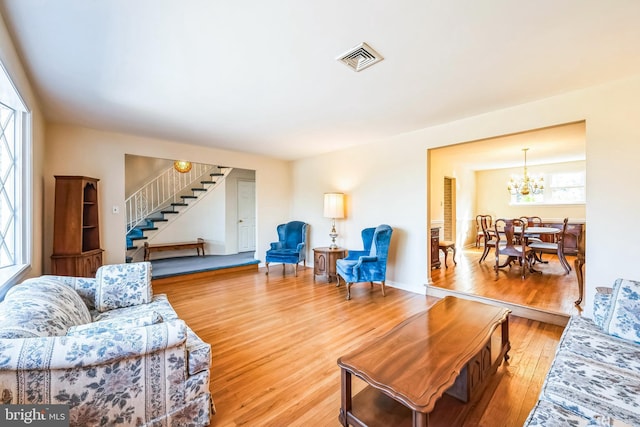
[553, 290]
[275, 342]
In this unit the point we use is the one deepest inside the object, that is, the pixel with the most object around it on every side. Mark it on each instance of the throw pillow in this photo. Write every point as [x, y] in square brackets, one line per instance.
[623, 320]
[601, 305]
[123, 285]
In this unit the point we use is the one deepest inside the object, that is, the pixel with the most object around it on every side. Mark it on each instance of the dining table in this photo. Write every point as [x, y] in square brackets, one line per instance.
[538, 231]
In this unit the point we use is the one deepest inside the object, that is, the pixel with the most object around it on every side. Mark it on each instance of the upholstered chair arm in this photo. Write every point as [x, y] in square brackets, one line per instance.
[365, 259]
[356, 254]
[300, 247]
[276, 245]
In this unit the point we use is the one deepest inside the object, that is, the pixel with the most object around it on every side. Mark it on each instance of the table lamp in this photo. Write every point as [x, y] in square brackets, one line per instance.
[333, 208]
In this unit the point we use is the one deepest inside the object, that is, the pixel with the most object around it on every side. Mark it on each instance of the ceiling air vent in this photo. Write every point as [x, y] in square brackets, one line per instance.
[360, 57]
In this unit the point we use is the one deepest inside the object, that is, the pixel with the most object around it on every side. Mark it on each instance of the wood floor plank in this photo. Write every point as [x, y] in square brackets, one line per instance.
[276, 340]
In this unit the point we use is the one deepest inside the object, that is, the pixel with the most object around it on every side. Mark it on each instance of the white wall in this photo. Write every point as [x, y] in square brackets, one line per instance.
[387, 181]
[11, 62]
[74, 150]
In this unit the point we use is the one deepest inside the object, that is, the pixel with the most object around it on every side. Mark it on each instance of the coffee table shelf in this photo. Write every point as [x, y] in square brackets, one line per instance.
[423, 371]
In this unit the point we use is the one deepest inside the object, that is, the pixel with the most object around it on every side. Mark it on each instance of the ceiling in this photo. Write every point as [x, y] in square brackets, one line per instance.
[262, 77]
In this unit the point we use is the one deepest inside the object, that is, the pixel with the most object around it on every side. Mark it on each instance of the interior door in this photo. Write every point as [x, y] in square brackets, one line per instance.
[246, 216]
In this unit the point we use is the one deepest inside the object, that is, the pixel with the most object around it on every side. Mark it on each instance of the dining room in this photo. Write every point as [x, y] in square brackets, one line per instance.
[538, 176]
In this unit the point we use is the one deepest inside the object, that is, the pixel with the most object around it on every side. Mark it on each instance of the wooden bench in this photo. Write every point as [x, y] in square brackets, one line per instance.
[197, 245]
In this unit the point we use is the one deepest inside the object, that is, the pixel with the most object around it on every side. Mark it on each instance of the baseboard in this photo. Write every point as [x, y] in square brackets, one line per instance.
[516, 309]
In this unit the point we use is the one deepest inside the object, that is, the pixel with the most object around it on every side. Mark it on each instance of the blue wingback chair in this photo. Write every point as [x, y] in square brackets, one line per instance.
[290, 247]
[369, 265]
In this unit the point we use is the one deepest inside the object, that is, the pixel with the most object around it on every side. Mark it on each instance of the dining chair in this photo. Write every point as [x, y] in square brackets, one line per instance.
[504, 230]
[486, 227]
[555, 248]
[533, 221]
[488, 221]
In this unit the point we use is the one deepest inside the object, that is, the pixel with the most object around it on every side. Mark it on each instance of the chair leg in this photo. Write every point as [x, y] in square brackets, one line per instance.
[454, 256]
[295, 271]
[283, 268]
[383, 294]
[484, 253]
[348, 291]
[337, 280]
[267, 265]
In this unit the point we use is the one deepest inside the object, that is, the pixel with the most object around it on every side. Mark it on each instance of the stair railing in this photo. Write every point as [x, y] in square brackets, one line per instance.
[162, 190]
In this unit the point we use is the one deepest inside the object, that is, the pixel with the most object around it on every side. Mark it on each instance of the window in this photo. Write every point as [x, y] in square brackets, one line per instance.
[567, 187]
[15, 162]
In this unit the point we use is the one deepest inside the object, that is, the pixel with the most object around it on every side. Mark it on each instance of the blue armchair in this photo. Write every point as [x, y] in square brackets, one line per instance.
[369, 265]
[290, 247]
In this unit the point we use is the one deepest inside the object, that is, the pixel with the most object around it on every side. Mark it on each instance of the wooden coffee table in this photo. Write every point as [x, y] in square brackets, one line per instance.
[454, 348]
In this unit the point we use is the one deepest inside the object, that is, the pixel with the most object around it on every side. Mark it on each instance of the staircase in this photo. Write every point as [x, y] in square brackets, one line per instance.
[166, 197]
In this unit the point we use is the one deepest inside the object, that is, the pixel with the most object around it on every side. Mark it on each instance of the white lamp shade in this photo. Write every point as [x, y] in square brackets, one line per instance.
[334, 205]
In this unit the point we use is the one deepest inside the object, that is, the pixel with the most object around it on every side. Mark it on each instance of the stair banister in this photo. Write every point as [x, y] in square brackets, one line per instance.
[161, 191]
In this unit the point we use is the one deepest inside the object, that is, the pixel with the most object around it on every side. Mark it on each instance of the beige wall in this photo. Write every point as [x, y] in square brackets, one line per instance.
[386, 182]
[79, 151]
[15, 70]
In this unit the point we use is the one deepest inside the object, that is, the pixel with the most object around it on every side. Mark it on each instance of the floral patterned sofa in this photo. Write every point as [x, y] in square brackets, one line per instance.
[107, 347]
[594, 379]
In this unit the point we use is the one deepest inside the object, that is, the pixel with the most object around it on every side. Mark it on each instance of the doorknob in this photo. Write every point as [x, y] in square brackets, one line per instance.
[240, 221]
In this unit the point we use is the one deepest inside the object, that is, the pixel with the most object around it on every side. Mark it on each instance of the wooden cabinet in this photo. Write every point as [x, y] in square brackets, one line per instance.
[76, 227]
[324, 262]
[435, 244]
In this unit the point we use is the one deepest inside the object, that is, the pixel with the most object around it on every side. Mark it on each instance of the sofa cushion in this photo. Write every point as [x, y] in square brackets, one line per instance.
[123, 285]
[623, 318]
[116, 324]
[41, 307]
[159, 304]
[548, 414]
[595, 373]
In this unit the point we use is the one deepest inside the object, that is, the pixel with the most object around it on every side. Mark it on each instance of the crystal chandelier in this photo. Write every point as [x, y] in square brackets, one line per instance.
[525, 185]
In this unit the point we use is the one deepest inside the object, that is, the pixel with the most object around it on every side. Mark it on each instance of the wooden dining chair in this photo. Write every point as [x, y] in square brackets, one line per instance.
[485, 223]
[554, 248]
[487, 220]
[533, 221]
[504, 231]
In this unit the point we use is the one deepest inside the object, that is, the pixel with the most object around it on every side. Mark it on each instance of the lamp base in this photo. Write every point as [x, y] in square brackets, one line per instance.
[333, 240]
[333, 234]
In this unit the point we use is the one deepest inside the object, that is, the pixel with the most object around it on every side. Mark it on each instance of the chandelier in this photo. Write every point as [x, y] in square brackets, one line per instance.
[525, 185]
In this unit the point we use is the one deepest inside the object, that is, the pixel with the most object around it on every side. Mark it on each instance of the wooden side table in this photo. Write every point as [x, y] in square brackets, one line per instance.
[324, 262]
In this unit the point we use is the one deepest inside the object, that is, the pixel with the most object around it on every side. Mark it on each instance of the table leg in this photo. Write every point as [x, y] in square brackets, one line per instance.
[345, 401]
[505, 338]
[579, 264]
[420, 419]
